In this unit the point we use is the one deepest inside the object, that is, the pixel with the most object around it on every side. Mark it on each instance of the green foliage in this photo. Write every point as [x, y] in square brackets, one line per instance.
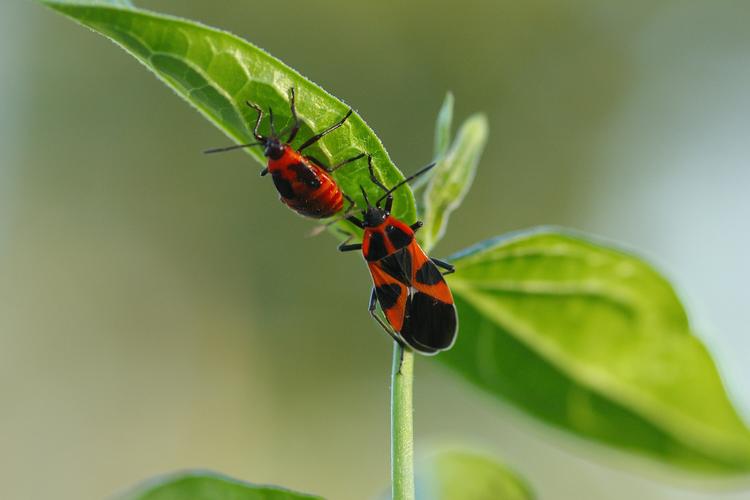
[442, 138]
[217, 72]
[443, 127]
[202, 485]
[453, 175]
[594, 341]
[454, 475]
[588, 338]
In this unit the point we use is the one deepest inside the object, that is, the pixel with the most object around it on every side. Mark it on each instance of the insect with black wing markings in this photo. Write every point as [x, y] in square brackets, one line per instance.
[411, 290]
[304, 184]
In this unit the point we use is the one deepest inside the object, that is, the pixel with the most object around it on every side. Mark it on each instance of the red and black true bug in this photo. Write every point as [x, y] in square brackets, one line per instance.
[410, 288]
[304, 184]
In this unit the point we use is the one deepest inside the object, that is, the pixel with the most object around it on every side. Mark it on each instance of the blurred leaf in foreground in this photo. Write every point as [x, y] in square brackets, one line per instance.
[200, 485]
[454, 475]
[594, 341]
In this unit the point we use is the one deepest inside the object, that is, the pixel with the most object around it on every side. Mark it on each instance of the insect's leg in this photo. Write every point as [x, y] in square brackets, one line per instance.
[349, 248]
[312, 140]
[355, 221]
[387, 328]
[317, 162]
[373, 177]
[346, 247]
[339, 165]
[347, 212]
[449, 268]
[256, 129]
[295, 126]
[349, 200]
[414, 227]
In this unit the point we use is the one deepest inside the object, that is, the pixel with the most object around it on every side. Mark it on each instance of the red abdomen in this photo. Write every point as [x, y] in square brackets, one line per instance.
[304, 186]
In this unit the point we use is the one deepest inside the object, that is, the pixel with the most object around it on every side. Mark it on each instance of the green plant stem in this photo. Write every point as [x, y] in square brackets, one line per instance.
[402, 428]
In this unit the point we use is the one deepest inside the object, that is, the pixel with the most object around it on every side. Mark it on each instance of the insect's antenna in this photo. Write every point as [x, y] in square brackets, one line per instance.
[230, 148]
[295, 119]
[364, 193]
[270, 119]
[408, 179]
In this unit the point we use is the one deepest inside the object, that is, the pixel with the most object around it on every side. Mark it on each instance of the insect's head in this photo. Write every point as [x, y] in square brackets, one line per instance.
[273, 146]
[373, 215]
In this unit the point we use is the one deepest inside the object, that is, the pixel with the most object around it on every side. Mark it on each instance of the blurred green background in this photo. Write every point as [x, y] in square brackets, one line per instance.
[160, 309]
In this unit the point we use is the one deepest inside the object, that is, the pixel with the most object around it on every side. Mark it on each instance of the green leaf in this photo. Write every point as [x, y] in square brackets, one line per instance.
[442, 138]
[452, 179]
[443, 127]
[217, 72]
[593, 340]
[454, 475]
[202, 485]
